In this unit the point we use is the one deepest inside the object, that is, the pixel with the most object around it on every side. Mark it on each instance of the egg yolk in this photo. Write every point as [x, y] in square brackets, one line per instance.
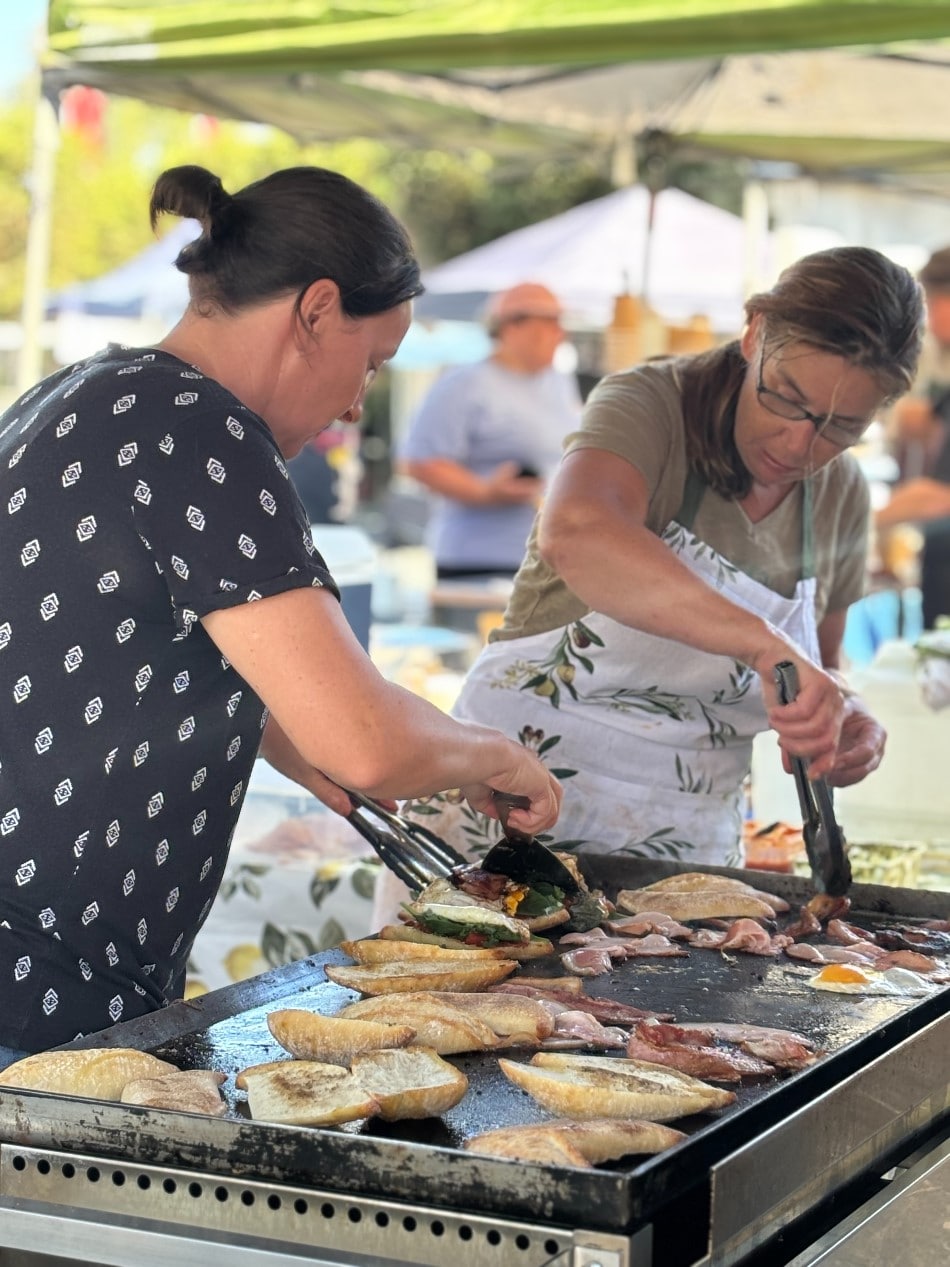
[843, 974]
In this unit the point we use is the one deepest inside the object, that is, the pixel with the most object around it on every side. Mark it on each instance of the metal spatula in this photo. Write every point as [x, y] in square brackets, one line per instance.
[824, 839]
[524, 858]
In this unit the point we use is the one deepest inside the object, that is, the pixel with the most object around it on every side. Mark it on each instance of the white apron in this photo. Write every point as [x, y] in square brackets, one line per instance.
[651, 738]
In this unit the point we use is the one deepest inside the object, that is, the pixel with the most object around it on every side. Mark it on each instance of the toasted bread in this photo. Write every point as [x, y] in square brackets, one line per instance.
[586, 1087]
[97, 1073]
[514, 1018]
[185, 1091]
[570, 985]
[422, 974]
[539, 1144]
[534, 948]
[305, 1093]
[410, 1082]
[439, 1025]
[240, 1078]
[385, 949]
[310, 1036]
[695, 904]
[596, 1140]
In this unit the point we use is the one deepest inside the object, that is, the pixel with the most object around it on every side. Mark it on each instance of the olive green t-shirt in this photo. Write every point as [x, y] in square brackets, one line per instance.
[638, 416]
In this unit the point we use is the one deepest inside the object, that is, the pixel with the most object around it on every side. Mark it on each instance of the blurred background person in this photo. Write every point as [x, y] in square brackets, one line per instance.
[488, 436]
[921, 438]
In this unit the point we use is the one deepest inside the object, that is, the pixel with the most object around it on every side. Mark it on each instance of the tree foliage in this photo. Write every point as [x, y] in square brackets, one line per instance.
[106, 165]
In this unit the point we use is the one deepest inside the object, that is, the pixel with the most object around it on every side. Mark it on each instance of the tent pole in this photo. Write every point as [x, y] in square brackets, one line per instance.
[755, 215]
[41, 181]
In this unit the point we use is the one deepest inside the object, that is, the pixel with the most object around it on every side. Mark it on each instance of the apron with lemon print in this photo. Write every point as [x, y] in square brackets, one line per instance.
[651, 738]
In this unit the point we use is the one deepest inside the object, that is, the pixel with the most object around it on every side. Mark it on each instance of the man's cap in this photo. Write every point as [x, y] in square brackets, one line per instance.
[527, 299]
[935, 274]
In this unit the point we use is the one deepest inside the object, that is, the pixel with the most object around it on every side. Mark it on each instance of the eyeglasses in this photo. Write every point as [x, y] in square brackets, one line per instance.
[841, 434]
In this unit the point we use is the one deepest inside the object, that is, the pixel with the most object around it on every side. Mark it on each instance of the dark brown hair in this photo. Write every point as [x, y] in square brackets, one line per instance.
[280, 234]
[850, 301]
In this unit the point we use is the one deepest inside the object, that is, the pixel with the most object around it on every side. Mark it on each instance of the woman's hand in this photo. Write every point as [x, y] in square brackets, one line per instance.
[860, 747]
[809, 727]
[527, 776]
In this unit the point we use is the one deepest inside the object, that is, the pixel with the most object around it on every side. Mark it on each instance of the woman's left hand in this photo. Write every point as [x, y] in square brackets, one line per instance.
[860, 747]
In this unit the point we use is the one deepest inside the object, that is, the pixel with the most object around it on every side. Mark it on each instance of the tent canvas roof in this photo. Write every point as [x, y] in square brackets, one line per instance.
[509, 75]
[593, 252]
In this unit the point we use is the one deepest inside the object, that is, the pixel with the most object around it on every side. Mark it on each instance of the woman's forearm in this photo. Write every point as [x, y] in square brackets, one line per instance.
[629, 574]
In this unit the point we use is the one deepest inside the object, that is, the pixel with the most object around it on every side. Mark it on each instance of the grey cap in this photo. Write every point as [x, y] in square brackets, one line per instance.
[935, 274]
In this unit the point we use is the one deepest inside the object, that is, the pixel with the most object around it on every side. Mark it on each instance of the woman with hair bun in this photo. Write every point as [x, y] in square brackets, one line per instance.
[706, 523]
[165, 614]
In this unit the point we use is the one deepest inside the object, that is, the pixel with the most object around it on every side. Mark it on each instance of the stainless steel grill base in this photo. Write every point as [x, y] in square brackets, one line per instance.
[121, 1213]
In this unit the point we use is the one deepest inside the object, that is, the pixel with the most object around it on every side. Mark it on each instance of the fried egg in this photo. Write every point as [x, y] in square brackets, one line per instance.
[845, 978]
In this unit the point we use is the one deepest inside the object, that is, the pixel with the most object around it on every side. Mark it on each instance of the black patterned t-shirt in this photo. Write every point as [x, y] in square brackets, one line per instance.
[136, 496]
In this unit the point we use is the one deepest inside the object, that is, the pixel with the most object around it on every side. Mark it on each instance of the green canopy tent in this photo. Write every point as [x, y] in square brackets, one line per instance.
[507, 75]
[502, 73]
[288, 36]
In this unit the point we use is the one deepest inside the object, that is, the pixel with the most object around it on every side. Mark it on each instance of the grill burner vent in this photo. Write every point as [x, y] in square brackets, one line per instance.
[180, 1202]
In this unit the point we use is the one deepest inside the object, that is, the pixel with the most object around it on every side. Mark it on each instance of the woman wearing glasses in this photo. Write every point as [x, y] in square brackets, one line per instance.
[706, 523]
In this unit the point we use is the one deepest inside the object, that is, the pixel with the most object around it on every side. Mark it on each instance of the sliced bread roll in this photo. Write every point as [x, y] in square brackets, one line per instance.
[598, 1140]
[240, 1078]
[185, 1091]
[533, 948]
[686, 904]
[410, 1082]
[437, 1024]
[540, 1144]
[97, 1073]
[310, 1036]
[305, 1093]
[586, 1087]
[385, 950]
[514, 1018]
[422, 974]
[693, 881]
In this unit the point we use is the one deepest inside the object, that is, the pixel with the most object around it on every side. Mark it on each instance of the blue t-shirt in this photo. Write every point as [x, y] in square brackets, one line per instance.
[136, 496]
[480, 416]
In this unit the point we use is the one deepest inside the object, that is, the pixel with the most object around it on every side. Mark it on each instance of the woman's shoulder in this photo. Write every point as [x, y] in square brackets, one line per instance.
[842, 476]
[649, 380]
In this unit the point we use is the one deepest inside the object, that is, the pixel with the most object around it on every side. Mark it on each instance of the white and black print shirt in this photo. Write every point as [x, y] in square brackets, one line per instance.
[136, 496]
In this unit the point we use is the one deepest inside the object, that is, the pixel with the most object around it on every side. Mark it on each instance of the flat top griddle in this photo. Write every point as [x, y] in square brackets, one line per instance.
[227, 1030]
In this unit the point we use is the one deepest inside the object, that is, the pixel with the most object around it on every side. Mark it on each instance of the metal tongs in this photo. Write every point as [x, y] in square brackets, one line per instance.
[417, 856]
[824, 839]
[414, 854]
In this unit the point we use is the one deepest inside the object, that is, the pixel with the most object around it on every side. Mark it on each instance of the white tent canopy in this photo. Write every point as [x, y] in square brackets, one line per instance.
[692, 262]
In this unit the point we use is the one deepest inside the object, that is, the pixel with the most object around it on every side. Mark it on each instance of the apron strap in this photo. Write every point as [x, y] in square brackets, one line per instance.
[808, 531]
[693, 495]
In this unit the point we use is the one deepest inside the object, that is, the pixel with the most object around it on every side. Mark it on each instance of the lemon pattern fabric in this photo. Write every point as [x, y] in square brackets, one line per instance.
[271, 914]
[137, 496]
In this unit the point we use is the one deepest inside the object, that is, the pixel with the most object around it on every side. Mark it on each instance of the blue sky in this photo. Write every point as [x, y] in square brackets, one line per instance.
[19, 22]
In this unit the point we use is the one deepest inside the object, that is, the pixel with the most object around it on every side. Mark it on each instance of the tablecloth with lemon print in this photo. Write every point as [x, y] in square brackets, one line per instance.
[301, 886]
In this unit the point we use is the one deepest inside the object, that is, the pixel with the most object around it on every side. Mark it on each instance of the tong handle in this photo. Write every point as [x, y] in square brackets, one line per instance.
[505, 802]
[786, 681]
[824, 840]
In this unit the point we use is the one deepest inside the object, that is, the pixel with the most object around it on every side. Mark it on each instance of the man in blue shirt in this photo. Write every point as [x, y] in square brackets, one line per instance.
[488, 436]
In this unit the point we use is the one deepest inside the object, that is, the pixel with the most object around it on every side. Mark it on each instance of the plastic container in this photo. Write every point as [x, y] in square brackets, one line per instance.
[352, 559]
[772, 846]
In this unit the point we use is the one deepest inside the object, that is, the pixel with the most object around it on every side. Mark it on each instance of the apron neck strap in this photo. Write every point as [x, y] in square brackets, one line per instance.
[808, 531]
[693, 495]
